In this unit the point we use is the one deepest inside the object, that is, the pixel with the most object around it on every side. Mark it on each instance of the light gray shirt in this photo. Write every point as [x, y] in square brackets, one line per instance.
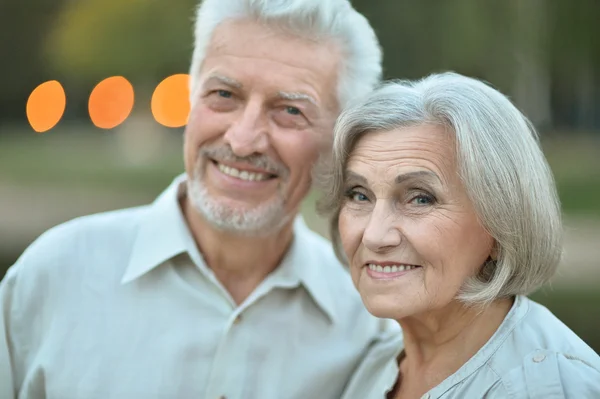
[531, 355]
[121, 305]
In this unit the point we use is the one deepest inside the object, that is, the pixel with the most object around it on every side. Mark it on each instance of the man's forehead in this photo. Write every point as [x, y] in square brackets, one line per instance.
[242, 32]
[223, 79]
[243, 53]
[251, 40]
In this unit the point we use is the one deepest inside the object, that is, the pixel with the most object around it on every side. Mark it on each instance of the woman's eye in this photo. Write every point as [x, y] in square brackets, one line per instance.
[360, 197]
[357, 196]
[423, 199]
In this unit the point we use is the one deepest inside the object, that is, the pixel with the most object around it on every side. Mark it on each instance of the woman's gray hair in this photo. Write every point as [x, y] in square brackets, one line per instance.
[331, 20]
[499, 161]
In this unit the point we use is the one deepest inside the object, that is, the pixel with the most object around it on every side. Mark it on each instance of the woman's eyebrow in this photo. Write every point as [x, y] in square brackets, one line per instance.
[416, 175]
[420, 174]
[355, 177]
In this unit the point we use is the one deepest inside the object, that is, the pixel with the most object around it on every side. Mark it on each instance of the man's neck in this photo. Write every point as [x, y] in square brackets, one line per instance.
[239, 262]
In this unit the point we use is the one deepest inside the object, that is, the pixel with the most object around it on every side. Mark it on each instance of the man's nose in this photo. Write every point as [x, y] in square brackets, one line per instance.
[249, 133]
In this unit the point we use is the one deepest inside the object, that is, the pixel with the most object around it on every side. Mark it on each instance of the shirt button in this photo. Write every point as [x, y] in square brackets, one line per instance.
[539, 358]
[237, 320]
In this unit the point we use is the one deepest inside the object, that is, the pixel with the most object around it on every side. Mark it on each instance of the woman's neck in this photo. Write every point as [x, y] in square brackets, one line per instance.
[438, 343]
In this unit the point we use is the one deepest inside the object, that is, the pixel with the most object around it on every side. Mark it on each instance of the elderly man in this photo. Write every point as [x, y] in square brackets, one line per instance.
[217, 289]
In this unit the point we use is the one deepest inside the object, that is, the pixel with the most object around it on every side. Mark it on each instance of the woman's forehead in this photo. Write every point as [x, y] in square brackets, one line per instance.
[420, 146]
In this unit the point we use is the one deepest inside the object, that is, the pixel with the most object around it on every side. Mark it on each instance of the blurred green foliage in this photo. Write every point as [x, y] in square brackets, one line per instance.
[88, 160]
[142, 40]
[575, 163]
[540, 52]
[23, 26]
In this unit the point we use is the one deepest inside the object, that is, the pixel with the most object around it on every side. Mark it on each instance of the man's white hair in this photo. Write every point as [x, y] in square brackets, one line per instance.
[322, 20]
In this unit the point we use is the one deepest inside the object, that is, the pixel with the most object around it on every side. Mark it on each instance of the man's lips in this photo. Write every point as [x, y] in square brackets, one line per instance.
[243, 167]
[243, 172]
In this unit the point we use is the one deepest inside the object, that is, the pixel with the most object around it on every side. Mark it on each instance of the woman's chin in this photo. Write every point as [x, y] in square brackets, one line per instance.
[384, 308]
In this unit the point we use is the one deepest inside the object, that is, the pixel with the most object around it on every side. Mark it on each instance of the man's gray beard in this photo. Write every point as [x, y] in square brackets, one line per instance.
[262, 220]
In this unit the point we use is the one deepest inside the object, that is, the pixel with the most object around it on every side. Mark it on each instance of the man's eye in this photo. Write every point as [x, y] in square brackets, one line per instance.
[224, 93]
[293, 110]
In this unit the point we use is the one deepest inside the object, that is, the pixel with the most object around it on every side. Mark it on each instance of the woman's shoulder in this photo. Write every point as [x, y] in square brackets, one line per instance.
[548, 374]
[542, 330]
[542, 355]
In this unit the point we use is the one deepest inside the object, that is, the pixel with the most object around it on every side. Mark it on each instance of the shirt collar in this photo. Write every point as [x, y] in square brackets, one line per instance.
[516, 314]
[304, 264]
[163, 233]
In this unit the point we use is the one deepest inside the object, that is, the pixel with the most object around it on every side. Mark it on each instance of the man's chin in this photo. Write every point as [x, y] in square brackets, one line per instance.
[237, 214]
[239, 206]
[245, 223]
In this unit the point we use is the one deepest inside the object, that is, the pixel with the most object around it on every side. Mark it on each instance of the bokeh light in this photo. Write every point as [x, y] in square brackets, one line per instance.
[111, 102]
[46, 106]
[170, 101]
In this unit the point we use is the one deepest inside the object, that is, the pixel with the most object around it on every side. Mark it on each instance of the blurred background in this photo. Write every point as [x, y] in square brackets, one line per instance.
[98, 156]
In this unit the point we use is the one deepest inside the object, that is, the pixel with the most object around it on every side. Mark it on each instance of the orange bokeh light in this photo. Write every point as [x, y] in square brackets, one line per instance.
[46, 106]
[111, 102]
[170, 101]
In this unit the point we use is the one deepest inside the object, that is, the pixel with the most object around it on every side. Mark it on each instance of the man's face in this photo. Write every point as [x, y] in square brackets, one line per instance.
[262, 114]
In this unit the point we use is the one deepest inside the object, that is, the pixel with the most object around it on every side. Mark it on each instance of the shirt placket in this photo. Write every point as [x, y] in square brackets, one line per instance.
[227, 369]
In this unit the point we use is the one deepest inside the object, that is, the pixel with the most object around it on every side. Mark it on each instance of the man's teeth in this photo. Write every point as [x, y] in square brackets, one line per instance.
[390, 269]
[242, 174]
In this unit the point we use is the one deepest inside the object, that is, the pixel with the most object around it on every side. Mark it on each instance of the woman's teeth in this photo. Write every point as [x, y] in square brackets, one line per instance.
[390, 269]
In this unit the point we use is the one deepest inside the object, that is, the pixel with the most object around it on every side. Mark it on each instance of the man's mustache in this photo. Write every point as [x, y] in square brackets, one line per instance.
[225, 153]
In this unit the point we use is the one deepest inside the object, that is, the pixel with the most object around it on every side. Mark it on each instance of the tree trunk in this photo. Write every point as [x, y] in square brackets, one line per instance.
[531, 87]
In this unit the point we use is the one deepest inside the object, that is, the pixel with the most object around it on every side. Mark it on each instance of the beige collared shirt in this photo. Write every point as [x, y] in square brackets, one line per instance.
[121, 305]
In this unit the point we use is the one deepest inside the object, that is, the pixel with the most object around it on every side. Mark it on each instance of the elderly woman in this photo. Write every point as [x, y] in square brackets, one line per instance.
[444, 208]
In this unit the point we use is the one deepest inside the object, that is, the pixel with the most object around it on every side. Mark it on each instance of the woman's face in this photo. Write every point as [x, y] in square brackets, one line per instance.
[407, 225]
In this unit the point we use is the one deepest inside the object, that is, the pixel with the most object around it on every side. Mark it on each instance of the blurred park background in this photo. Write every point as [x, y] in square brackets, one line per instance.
[544, 54]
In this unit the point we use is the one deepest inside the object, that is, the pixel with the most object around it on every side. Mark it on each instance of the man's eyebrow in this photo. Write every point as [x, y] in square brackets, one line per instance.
[223, 79]
[355, 177]
[295, 96]
[415, 175]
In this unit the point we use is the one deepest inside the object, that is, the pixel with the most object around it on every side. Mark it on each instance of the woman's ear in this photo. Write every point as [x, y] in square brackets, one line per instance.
[494, 251]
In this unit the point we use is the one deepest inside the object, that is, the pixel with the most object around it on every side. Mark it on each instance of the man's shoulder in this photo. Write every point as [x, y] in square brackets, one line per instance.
[337, 281]
[319, 251]
[378, 369]
[320, 247]
[79, 242]
[91, 230]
